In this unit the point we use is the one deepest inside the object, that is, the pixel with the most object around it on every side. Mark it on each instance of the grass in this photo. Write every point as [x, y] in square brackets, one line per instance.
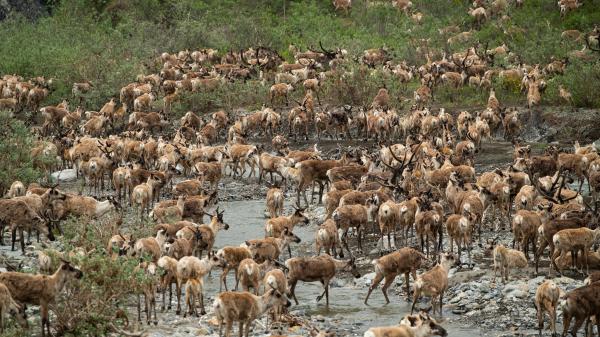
[110, 42]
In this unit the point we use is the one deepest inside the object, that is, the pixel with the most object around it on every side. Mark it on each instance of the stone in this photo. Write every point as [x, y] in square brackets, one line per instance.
[472, 306]
[366, 279]
[203, 331]
[386, 246]
[64, 175]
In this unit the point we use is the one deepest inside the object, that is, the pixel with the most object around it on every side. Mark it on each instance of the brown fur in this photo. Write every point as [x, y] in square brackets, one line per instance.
[190, 267]
[39, 289]
[9, 306]
[320, 268]
[581, 304]
[574, 239]
[17, 215]
[275, 226]
[230, 258]
[525, 226]
[351, 216]
[434, 282]
[505, 258]
[244, 308]
[403, 261]
[551, 227]
[332, 200]
[315, 171]
[327, 237]
[546, 300]
[275, 200]
[270, 248]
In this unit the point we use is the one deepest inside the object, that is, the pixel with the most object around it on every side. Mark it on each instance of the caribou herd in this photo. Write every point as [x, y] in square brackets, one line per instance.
[413, 184]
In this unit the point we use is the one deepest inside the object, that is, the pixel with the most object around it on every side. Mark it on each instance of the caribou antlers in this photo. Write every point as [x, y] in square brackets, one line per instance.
[397, 171]
[554, 194]
[298, 208]
[329, 53]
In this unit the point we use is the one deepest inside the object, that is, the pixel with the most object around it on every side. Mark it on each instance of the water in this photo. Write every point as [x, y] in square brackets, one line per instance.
[346, 307]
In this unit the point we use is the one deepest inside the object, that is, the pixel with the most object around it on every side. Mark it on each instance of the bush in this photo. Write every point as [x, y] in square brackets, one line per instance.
[89, 307]
[16, 143]
[110, 42]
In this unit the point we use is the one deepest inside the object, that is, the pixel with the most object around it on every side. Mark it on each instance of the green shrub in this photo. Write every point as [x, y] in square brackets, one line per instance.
[16, 143]
[88, 307]
[110, 42]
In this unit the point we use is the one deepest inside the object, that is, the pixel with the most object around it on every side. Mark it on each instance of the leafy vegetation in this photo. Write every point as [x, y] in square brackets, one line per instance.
[110, 42]
[98, 301]
[107, 284]
[16, 143]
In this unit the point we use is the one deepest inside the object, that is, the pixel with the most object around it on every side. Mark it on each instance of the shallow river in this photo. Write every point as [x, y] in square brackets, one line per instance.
[346, 302]
[346, 313]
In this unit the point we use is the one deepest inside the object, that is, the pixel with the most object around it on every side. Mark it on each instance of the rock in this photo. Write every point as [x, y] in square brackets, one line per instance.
[458, 311]
[519, 294]
[472, 313]
[458, 297]
[337, 283]
[487, 297]
[537, 280]
[65, 175]
[472, 306]
[366, 279]
[203, 331]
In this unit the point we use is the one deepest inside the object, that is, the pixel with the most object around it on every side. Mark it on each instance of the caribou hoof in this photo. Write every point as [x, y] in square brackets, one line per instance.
[177, 312]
